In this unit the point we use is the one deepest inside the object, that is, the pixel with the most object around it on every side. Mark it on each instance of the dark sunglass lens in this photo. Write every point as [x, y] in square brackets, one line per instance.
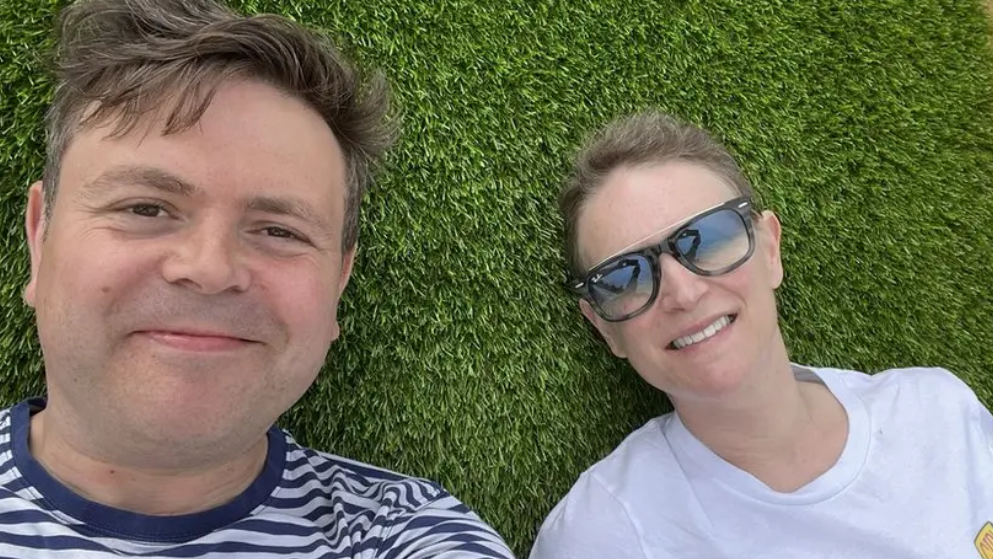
[715, 241]
[623, 287]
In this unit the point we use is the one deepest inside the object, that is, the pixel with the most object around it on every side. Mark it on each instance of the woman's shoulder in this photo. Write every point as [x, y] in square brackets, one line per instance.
[920, 391]
[904, 378]
[604, 512]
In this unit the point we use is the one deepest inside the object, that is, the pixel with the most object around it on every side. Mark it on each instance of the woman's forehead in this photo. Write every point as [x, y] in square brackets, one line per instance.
[637, 204]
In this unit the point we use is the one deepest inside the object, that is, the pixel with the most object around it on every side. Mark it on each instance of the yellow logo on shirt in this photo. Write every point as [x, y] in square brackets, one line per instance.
[984, 541]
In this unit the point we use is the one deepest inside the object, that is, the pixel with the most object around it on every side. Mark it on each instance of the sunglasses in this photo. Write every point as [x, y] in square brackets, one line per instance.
[711, 243]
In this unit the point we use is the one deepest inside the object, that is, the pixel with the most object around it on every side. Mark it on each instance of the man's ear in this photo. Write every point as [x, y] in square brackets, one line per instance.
[605, 328]
[770, 234]
[35, 225]
[347, 261]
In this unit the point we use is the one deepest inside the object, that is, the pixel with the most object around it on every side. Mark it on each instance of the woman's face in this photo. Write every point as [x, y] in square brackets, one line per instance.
[702, 337]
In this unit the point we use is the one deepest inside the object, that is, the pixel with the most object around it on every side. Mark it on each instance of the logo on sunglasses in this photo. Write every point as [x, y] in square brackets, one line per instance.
[984, 541]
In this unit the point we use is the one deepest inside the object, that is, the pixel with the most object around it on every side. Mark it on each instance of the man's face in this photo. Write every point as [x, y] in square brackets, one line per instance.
[186, 285]
[634, 203]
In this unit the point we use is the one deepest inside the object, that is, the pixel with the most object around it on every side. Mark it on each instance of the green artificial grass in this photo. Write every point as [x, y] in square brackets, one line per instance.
[867, 125]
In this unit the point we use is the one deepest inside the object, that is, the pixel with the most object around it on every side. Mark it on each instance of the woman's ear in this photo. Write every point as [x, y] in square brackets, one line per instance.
[769, 234]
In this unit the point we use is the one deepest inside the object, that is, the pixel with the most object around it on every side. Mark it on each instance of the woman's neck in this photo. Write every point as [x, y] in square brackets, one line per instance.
[783, 431]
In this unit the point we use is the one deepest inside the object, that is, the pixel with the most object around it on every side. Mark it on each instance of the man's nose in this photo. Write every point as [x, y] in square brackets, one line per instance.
[209, 258]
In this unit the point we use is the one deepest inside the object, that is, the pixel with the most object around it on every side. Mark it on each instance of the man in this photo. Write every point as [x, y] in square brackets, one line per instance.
[194, 229]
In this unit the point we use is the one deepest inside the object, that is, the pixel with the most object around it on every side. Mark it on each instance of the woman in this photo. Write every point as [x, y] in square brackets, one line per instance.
[676, 268]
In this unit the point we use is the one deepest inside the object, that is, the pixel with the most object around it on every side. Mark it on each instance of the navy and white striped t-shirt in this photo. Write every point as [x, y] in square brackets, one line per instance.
[304, 504]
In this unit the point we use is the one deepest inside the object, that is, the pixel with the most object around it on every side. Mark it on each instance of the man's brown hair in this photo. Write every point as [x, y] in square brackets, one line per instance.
[120, 60]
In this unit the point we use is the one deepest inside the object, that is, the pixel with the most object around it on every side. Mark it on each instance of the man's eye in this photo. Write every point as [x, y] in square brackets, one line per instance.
[281, 233]
[146, 210]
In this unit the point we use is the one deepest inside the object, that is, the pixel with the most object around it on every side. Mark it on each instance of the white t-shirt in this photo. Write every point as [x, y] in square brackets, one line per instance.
[914, 481]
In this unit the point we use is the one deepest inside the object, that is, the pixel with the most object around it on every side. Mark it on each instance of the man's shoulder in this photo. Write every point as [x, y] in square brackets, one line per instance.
[7, 469]
[6, 416]
[404, 514]
[6, 442]
[315, 472]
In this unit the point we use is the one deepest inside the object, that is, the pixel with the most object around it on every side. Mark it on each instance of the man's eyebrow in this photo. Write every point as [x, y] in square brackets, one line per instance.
[290, 207]
[164, 181]
[139, 175]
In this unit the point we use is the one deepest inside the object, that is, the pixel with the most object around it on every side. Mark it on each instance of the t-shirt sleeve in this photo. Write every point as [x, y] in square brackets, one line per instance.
[444, 529]
[590, 523]
[977, 412]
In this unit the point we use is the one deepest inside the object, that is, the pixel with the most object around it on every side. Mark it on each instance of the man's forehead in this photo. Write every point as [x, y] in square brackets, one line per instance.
[269, 139]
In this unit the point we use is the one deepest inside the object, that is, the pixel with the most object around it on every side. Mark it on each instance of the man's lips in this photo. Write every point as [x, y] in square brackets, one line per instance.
[188, 340]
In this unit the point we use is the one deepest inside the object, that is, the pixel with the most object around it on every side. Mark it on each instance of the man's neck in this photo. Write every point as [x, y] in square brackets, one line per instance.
[141, 489]
[784, 432]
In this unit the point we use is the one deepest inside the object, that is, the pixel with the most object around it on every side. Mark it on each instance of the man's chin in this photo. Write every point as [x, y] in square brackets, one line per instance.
[183, 438]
